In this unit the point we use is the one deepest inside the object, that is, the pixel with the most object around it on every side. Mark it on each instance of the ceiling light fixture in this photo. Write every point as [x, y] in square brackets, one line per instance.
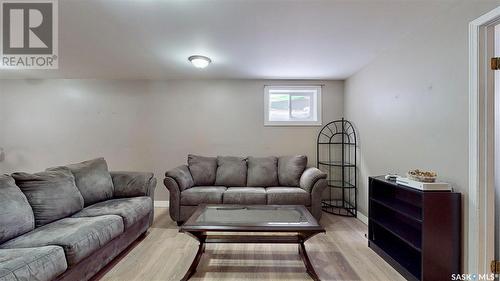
[200, 61]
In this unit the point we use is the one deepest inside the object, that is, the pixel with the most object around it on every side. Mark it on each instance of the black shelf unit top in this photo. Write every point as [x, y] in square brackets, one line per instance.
[416, 232]
[336, 156]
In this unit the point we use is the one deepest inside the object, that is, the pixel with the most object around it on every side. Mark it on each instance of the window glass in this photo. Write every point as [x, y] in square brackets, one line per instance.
[279, 107]
[301, 107]
[292, 105]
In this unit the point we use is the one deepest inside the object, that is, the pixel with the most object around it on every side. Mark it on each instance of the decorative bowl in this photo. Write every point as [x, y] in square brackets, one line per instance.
[422, 176]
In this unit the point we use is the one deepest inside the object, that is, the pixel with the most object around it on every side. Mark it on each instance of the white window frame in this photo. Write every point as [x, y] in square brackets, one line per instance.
[317, 100]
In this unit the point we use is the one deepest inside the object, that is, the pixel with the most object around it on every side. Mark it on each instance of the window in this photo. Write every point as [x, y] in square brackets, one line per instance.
[292, 106]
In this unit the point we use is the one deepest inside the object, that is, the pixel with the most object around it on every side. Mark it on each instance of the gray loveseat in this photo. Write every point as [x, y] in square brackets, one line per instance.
[284, 180]
[67, 223]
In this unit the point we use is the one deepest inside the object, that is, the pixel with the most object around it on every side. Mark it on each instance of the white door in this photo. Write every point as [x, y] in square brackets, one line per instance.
[497, 148]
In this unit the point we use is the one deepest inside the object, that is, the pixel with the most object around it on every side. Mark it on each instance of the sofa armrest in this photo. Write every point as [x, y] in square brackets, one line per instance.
[310, 177]
[313, 180]
[316, 197]
[176, 180]
[175, 198]
[182, 177]
[131, 184]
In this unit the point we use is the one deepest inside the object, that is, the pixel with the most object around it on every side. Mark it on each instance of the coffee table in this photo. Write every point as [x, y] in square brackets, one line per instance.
[293, 223]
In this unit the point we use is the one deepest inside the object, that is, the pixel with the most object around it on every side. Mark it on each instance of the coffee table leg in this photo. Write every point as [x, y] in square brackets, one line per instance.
[307, 262]
[196, 261]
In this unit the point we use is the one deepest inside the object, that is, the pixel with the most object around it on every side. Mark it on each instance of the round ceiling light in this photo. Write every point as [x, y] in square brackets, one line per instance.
[200, 61]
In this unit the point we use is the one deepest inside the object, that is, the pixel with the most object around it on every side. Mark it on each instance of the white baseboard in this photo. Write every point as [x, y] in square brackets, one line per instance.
[362, 218]
[161, 204]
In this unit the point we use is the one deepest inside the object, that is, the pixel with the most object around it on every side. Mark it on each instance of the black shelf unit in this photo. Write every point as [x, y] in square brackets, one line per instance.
[336, 156]
[416, 232]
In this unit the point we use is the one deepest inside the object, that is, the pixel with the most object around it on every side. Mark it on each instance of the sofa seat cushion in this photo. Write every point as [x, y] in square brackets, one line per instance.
[262, 171]
[130, 209]
[52, 194]
[288, 196]
[79, 237]
[41, 263]
[16, 215]
[202, 195]
[245, 196]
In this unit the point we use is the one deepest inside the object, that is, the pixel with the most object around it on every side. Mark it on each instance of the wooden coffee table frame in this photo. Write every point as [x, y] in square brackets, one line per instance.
[299, 234]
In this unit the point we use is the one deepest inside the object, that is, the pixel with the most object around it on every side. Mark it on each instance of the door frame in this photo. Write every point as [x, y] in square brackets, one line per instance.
[481, 199]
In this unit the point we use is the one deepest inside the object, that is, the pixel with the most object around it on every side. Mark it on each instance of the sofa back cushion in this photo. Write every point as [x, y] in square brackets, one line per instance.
[93, 180]
[231, 171]
[52, 195]
[203, 169]
[290, 168]
[262, 171]
[16, 215]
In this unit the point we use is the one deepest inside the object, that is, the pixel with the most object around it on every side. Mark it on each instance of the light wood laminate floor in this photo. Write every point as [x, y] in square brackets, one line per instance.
[165, 254]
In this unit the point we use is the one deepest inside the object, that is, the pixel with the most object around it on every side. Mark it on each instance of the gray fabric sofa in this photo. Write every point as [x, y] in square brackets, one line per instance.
[284, 180]
[68, 222]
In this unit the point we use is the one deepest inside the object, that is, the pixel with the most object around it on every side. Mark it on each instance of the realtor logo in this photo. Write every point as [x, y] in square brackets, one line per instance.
[29, 34]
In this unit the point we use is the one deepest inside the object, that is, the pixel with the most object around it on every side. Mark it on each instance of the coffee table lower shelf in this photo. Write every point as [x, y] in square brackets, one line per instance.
[299, 239]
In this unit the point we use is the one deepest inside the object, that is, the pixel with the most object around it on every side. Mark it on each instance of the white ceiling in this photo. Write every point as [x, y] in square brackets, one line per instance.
[151, 39]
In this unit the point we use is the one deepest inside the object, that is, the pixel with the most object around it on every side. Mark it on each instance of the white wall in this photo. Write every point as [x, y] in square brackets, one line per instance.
[145, 125]
[410, 105]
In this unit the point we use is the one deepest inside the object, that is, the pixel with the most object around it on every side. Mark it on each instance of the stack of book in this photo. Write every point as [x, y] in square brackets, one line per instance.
[431, 186]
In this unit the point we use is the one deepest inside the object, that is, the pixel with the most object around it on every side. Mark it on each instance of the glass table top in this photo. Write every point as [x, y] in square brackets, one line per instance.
[252, 215]
[247, 218]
